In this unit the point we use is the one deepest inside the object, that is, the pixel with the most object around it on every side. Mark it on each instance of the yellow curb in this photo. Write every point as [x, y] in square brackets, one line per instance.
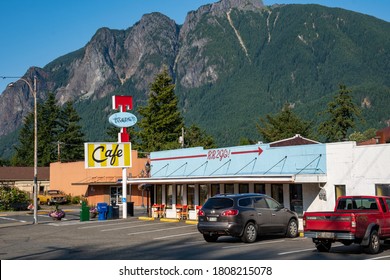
[191, 222]
[301, 234]
[146, 218]
[169, 220]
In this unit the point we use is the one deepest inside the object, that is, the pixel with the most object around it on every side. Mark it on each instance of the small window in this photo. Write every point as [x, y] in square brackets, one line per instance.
[273, 204]
[218, 203]
[260, 202]
[245, 202]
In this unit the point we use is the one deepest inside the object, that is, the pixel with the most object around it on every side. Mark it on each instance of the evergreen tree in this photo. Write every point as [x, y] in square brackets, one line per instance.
[48, 131]
[196, 137]
[24, 155]
[54, 126]
[70, 134]
[161, 121]
[342, 113]
[282, 125]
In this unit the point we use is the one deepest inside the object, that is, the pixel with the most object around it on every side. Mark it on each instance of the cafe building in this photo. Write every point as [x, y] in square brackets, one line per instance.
[300, 173]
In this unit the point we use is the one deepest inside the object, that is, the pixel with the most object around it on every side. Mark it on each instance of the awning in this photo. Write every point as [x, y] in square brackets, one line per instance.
[275, 179]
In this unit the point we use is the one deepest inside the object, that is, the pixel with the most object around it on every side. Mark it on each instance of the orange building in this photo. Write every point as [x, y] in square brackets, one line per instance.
[98, 184]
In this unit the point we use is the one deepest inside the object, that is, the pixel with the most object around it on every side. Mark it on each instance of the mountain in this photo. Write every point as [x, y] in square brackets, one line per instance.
[233, 62]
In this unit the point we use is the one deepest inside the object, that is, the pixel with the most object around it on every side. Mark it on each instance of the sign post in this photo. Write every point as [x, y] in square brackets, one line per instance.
[123, 120]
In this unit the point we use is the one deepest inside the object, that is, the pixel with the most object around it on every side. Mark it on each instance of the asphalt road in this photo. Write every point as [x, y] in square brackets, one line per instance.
[138, 239]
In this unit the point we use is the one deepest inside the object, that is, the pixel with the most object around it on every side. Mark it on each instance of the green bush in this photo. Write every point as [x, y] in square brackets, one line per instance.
[13, 199]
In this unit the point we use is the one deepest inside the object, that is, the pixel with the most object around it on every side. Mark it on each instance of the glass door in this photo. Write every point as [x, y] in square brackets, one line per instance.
[115, 195]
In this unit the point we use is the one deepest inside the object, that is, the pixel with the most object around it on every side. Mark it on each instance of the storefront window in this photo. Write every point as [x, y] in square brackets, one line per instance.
[179, 194]
[296, 201]
[277, 192]
[215, 189]
[243, 188]
[339, 190]
[229, 188]
[191, 196]
[169, 195]
[382, 189]
[203, 190]
[259, 188]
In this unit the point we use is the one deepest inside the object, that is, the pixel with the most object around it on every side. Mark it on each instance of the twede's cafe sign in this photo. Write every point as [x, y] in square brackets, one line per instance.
[106, 155]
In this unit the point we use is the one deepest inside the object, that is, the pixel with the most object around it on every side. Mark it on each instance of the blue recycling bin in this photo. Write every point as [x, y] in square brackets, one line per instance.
[102, 210]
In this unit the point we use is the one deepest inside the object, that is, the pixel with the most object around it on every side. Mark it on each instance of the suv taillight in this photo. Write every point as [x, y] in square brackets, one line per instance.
[201, 213]
[231, 212]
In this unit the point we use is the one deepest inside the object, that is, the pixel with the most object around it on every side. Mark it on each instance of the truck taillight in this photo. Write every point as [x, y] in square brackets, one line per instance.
[304, 221]
[353, 220]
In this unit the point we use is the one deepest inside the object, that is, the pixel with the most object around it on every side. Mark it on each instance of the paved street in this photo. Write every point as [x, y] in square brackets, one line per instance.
[136, 239]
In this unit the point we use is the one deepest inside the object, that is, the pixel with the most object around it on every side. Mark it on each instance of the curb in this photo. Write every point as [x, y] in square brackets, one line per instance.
[146, 218]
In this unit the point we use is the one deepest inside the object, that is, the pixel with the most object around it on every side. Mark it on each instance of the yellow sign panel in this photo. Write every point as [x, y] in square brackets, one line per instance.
[107, 155]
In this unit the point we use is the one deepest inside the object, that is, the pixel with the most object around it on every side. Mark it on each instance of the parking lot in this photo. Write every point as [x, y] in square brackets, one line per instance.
[139, 239]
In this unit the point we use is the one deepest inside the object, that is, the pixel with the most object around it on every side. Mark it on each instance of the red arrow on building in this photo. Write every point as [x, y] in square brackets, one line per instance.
[259, 151]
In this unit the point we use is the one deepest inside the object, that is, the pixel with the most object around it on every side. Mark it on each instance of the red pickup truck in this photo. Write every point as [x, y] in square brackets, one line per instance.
[364, 220]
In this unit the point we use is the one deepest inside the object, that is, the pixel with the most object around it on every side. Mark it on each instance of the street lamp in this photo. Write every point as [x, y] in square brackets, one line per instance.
[33, 89]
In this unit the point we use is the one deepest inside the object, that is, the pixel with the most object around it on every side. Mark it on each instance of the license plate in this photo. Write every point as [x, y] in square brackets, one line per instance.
[326, 235]
[212, 219]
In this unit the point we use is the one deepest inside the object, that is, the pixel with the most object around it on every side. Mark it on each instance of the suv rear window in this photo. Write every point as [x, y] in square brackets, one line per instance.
[218, 203]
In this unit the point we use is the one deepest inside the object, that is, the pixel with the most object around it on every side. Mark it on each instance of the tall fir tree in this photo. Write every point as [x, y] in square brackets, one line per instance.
[70, 137]
[54, 126]
[161, 121]
[282, 125]
[342, 113]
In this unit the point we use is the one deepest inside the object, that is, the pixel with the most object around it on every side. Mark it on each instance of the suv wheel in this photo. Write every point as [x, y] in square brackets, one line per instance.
[250, 233]
[292, 229]
[210, 238]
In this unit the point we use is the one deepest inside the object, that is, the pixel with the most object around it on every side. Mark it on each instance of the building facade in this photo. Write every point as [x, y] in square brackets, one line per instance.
[303, 177]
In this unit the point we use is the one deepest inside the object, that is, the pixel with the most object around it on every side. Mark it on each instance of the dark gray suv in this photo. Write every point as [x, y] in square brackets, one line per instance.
[245, 216]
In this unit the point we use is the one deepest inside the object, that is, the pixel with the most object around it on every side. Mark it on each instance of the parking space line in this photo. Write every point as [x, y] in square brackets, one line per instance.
[175, 235]
[303, 250]
[143, 225]
[106, 224]
[252, 244]
[296, 251]
[378, 258]
[11, 219]
[157, 230]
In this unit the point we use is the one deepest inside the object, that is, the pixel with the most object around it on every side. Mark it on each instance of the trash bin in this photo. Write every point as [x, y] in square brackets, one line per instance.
[102, 211]
[130, 209]
[109, 212]
[84, 212]
[115, 211]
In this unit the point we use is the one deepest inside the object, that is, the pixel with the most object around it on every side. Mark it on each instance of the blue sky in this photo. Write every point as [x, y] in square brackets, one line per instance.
[35, 32]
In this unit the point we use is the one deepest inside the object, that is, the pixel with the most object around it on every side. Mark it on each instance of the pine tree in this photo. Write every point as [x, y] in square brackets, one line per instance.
[55, 126]
[282, 125]
[70, 136]
[161, 121]
[196, 137]
[342, 113]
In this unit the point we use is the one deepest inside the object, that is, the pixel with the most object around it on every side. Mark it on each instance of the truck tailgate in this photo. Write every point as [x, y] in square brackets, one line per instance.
[328, 221]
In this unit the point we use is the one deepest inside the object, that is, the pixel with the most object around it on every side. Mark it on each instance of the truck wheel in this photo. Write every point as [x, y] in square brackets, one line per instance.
[374, 244]
[323, 245]
[250, 233]
[210, 238]
[292, 229]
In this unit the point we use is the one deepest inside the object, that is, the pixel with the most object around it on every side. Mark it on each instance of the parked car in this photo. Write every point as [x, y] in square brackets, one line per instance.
[363, 220]
[245, 216]
[52, 197]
